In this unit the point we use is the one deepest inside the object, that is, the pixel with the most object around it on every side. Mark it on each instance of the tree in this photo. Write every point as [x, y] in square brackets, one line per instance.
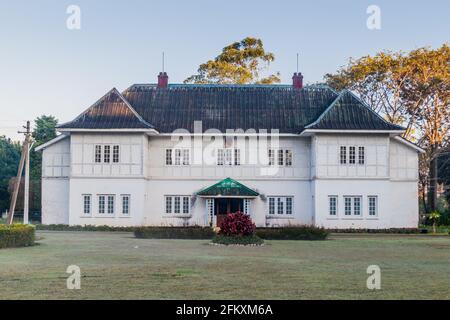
[411, 90]
[9, 161]
[239, 63]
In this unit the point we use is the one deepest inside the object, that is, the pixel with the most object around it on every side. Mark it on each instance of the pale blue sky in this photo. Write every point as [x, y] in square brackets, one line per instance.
[47, 69]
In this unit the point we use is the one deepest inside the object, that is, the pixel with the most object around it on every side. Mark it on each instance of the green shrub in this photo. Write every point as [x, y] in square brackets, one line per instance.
[194, 232]
[16, 235]
[238, 240]
[292, 233]
[391, 230]
[65, 227]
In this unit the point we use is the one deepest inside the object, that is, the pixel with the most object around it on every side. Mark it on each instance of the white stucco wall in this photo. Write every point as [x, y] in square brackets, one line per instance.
[389, 172]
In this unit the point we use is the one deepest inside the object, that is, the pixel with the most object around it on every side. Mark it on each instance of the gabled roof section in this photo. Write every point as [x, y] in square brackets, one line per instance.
[228, 188]
[112, 111]
[348, 112]
[225, 107]
[51, 142]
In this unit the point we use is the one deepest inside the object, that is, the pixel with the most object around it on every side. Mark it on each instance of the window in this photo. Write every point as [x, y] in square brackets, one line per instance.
[220, 157]
[284, 157]
[186, 157]
[271, 205]
[332, 205]
[185, 205]
[169, 157]
[271, 156]
[228, 157]
[352, 205]
[247, 206]
[115, 154]
[101, 204]
[110, 204]
[348, 206]
[361, 155]
[373, 206]
[106, 154]
[177, 157]
[343, 155]
[237, 157]
[288, 205]
[87, 204]
[168, 204]
[280, 205]
[98, 154]
[288, 158]
[125, 204]
[280, 157]
[352, 155]
[177, 204]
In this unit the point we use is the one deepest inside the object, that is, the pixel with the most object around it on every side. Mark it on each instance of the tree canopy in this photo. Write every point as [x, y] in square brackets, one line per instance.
[238, 63]
[411, 89]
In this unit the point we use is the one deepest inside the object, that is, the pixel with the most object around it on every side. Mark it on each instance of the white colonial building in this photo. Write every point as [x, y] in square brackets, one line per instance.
[171, 155]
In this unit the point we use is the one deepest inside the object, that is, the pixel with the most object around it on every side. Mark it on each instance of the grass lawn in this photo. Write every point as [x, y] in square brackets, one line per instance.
[118, 266]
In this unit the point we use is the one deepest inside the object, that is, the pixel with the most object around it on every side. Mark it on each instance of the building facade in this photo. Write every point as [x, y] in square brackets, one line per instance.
[173, 155]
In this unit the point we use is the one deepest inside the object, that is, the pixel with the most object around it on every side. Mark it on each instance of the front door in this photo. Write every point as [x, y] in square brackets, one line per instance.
[223, 206]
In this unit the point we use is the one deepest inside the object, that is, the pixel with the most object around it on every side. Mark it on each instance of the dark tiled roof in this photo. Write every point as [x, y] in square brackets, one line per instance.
[347, 112]
[225, 107]
[228, 187]
[111, 111]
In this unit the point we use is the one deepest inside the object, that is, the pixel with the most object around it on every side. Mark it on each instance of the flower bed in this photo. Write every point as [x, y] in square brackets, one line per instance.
[237, 229]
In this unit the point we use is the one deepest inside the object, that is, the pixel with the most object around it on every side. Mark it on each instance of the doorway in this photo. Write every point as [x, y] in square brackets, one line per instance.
[224, 206]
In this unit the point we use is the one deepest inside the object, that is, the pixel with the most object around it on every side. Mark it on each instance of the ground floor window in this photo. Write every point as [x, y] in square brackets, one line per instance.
[280, 205]
[125, 204]
[352, 205]
[373, 206]
[87, 204]
[332, 205]
[177, 204]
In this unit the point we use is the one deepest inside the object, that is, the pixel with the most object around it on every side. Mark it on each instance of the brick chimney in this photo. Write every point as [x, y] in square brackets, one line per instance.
[163, 80]
[297, 80]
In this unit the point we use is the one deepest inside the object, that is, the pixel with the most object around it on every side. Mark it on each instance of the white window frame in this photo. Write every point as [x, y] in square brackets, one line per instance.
[177, 157]
[343, 155]
[122, 204]
[352, 155]
[336, 206]
[289, 156]
[170, 201]
[116, 153]
[110, 198]
[369, 209]
[98, 153]
[101, 201]
[361, 155]
[353, 203]
[87, 213]
[228, 157]
[275, 203]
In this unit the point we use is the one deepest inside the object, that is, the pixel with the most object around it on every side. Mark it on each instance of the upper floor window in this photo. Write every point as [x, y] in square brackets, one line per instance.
[352, 157]
[177, 204]
[103, 153]
[280, 205]
[343, 155]
[116, 154]
[361, 155]
[178, 157]
[228, 157]
[283, 157]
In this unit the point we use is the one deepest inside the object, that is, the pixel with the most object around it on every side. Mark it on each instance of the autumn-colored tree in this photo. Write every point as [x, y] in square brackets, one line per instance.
[239, 63]
[411, 89]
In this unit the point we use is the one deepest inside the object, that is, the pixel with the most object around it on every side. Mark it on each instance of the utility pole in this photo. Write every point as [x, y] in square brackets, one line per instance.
[24, 158]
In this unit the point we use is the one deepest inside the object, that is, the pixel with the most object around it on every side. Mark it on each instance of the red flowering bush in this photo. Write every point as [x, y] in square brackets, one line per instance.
[237, 224]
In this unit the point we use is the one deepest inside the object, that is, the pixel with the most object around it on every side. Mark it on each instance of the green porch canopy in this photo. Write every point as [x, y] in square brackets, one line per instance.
[228, 188]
